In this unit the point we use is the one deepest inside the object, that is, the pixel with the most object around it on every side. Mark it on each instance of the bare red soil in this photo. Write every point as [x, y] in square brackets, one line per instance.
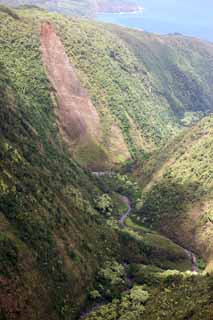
[77, 116]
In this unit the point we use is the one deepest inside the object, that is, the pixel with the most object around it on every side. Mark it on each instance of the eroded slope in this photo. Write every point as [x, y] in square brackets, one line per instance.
[145, 87]
[77, 117]
[51, 237]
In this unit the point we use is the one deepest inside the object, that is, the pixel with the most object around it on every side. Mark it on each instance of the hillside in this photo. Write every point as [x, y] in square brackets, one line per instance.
[177, 201]
[184, 298]
[83, 8]
[177, 189]
[145, 87]
[78, 119]
[51, 237]
[140, 80]
[76, 97]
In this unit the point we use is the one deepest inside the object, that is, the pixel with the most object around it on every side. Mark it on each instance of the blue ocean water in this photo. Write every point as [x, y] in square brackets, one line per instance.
[189, 17]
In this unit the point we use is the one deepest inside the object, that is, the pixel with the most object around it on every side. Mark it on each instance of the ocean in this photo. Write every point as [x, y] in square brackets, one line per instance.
[192, 18]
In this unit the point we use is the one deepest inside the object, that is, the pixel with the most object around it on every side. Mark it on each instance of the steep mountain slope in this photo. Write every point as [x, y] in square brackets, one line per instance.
[177, 200]
[59, 246]
[69, 7]
[127, 74]
[178, 185]
[78, 118]
[137, 81]
[52, 240]
[179, 297]
[146, 86]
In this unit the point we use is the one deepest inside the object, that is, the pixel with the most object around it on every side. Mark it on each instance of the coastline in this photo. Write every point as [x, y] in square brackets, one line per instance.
[139, 10]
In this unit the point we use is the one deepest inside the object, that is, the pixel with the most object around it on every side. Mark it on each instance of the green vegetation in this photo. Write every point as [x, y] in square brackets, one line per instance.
[69, 7]
[180, 296]
[178, 196]
[151, 248]
[104, 204]
[129, 307]
[52, 238]
[110, 282]
[61, 246]
[9, 11]
[126, 73]
[83, 8]
[137, 81]
[122, 184]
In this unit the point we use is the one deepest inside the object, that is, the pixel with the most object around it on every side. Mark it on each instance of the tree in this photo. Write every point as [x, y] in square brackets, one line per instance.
[104, 204]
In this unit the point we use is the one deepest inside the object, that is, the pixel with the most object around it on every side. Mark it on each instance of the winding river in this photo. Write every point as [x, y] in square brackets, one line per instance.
[122, 223]
[125, 215]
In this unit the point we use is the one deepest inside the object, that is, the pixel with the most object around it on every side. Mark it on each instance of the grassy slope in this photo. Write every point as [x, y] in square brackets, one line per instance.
[127, 73]
[150, 85]
[153, 292]
[73, 7]
[178, 188]
[51, 238]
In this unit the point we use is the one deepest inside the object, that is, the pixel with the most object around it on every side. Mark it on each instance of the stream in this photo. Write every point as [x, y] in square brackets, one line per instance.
[122, 223]
[193, 259]
[125, 215]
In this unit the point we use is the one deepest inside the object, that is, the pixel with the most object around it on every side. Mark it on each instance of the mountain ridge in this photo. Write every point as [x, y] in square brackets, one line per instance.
[177, 188]
[61, 246]
[85, 8]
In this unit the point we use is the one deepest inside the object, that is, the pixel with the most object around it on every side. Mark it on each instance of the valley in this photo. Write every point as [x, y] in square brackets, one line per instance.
[107, 309]
[187, 186]
[106, 170]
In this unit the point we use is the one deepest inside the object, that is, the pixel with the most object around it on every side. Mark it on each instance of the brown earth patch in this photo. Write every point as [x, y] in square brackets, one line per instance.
[77, 117]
